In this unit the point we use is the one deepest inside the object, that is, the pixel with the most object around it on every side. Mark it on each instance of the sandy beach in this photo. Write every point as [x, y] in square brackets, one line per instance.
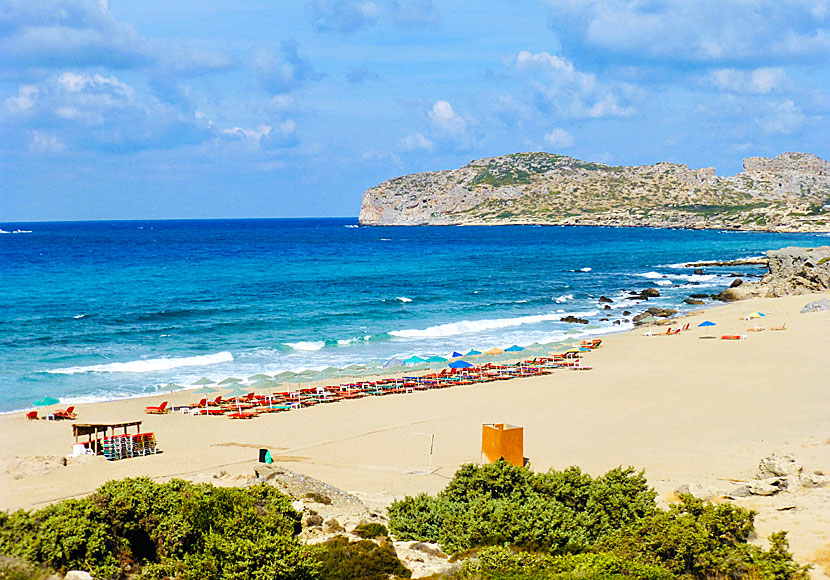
[684, 409]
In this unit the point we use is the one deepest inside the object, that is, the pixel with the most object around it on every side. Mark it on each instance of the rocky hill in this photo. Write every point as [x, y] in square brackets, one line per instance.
[788, 193]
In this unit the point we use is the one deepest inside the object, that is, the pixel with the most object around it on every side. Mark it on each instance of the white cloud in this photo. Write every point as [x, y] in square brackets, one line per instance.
[559, 138]
[284, 73]
[759, 81]
[414, 142]
[784, 118]
[559, 85]
[42, 142]
[24, 100]
[81, 111]
[705, 30]
[351, 15]
[445, 120]
[57, 33]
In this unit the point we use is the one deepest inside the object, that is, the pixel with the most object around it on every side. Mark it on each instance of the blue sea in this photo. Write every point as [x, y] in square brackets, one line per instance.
[93, 311]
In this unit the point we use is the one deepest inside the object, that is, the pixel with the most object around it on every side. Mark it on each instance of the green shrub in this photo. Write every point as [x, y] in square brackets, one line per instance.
[499, 503]
[15, 568]
[370, 530]
[567, 525]
[697, 539]
[177, 529]
[363, 560]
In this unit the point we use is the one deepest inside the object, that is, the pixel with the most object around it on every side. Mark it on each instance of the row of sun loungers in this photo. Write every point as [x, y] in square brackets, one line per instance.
[68, 413]
[252, 405]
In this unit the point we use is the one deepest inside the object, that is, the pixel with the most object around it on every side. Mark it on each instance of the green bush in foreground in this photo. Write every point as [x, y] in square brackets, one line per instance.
[567, 525]
[497, 504]
[363, 560]
[177, 529]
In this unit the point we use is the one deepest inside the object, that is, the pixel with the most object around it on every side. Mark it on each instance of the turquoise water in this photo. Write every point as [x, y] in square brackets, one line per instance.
[101, 310]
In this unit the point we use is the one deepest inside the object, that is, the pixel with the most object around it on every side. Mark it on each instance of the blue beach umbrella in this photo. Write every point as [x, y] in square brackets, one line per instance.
[514, 348]
[46, 401]
[706, 323]
[433, 359]
[473, 352]
[456, 354]
[413, 360]
[460, 364]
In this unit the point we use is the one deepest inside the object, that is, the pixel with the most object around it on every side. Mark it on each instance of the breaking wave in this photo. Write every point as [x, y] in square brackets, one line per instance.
[148, 365]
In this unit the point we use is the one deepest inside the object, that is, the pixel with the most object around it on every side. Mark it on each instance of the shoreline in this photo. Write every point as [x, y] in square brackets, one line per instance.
[686, 410]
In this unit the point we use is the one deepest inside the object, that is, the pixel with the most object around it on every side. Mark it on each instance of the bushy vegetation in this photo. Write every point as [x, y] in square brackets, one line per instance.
[363, 560]
[566, 524]
[370, 530]
[177, 529]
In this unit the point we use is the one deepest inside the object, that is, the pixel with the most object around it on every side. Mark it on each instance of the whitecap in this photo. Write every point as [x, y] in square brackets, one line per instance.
[472, 326]
[585, 269]
[652, 275]
[306, 345]
[148, 365]
[403, 299]
[563, 298]
[79, 316]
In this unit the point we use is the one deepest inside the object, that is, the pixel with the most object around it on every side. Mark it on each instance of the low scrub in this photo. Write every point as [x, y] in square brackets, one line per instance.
[510, 523]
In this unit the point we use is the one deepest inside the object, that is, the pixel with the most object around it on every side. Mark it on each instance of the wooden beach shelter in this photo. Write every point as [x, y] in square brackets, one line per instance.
[502, 440]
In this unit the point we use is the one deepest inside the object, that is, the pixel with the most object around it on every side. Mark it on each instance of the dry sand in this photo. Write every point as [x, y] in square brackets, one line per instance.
[686, 410]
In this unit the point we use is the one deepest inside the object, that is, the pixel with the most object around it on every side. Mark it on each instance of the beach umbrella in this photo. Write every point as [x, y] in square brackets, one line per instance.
[514, 348]
[170, 387]
[413, 360]
[46, 401]
[706, 323]
[494, 350]
[460, 364]
[285, 375]
[456, 354]
[473, 352]
[263, 384]
[259, 377]
[436, 359]
[203, 381]
[230, 381]
[235, 393]
[392, 362]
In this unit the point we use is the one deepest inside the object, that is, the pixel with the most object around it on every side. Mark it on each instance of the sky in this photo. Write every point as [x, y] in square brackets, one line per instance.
[293, 108]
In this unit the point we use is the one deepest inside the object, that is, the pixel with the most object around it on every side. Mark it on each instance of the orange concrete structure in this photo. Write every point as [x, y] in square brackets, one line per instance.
[502, 440]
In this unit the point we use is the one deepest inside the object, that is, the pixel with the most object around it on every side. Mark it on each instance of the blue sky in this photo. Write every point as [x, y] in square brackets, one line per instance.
[286, 108]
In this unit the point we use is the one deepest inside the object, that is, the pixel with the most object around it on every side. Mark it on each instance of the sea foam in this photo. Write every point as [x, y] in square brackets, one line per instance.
[306, 345]
[148, 364]
[473, 326]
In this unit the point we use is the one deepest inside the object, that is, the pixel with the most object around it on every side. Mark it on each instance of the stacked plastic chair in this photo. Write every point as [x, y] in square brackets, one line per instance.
[125, 446]
[144, 444]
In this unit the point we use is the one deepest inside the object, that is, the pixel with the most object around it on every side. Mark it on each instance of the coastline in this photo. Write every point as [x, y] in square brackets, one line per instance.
[684, 409]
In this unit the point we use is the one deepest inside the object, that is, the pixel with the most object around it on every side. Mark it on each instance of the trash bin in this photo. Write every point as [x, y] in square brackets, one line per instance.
[502, 440]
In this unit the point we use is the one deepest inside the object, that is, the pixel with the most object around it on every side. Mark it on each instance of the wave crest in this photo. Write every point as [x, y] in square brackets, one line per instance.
[148, 365]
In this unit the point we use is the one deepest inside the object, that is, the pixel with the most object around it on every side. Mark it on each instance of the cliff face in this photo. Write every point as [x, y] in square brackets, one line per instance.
[787, 193]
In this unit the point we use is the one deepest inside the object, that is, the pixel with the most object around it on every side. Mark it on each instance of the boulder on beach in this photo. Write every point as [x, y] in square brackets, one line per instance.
[817, 306]
[573, 320]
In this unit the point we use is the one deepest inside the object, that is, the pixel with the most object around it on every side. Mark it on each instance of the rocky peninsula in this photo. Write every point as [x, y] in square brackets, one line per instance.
[788, 193]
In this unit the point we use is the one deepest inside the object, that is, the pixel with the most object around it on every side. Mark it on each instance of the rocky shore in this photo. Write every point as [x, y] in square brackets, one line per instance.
[789, 193]
[791, 271]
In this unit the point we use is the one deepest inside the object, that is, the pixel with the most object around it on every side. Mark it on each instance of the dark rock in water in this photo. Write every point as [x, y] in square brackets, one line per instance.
[661, 312]
[698, 296]
[633, 293]
[737, 282]
[606, 299]
[607, 307]
[817, 306]
[694, 301]
[637, 297]
[573, 320]
[734, 275]
[616, 322]
[650, 293]
[626, 312]
[698, 271]
[603, 320]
